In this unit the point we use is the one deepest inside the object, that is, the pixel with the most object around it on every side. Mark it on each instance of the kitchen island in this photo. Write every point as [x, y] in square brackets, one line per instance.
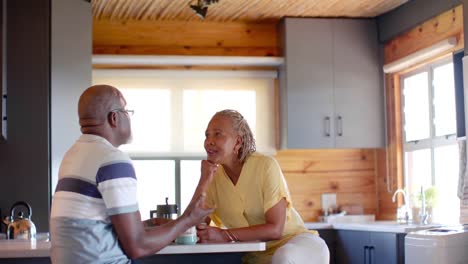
[37, 252]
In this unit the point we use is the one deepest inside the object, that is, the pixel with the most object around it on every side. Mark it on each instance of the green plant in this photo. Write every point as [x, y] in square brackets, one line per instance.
[431, 196]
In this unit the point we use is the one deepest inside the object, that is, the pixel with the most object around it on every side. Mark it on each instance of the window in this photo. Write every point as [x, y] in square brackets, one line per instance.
[429, 129]
[172, 110]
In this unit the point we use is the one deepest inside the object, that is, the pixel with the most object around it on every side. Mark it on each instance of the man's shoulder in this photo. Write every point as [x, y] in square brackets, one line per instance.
[101, 150]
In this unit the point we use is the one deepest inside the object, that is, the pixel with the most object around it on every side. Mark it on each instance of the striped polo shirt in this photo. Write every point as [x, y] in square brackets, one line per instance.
[96, 181]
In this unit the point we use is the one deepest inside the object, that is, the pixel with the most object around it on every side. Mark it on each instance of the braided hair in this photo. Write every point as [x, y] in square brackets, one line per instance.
[242, 128]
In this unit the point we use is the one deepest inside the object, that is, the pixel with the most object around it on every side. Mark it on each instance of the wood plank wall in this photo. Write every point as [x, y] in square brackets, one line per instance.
[443, 26]
[185, 38]
[350, 173]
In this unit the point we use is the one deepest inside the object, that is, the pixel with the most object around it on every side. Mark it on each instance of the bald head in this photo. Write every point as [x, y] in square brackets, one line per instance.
[95, 103]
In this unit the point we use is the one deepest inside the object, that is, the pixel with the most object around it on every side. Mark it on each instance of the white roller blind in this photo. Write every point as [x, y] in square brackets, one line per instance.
[173, 108]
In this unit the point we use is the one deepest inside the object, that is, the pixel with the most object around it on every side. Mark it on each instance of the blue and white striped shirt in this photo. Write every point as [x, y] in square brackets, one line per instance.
[96, 181]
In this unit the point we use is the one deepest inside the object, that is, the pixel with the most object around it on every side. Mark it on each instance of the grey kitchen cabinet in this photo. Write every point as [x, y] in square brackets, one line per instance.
[329, 236]
[331, 92]
[364, 247]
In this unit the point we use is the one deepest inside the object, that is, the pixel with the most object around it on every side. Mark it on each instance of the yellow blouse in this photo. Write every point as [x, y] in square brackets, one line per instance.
[261, 185]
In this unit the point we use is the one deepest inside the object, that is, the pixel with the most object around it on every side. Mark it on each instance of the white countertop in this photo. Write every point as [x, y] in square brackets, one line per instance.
[213, 248]
[376, 226]
[41, 248]
[24, 249]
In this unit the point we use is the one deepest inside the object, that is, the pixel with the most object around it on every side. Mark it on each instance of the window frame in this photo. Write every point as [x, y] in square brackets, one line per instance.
[177, 175]
[433, 141]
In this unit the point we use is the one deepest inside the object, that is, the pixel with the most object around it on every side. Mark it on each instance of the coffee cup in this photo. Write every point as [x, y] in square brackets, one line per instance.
[189, 237]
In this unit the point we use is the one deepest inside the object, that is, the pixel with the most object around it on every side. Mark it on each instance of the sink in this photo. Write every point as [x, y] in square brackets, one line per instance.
[406, 228]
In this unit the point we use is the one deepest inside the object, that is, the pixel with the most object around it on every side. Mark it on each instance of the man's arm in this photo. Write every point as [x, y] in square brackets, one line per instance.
[156, 222]
[138, 242]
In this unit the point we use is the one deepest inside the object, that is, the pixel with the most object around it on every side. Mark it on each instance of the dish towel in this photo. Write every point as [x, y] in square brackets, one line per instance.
[462, 176]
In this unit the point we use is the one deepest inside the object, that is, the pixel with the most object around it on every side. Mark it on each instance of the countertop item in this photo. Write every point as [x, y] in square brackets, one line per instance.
[318, 225]
[40, 248]
[347, 218]
[376, 226]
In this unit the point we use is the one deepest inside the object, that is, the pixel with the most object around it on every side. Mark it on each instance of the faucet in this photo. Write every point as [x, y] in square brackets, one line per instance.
[423, 214]
[403, 212]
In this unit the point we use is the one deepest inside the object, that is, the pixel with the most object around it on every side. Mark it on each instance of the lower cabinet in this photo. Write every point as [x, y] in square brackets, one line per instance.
[329, 235]
[365, 247]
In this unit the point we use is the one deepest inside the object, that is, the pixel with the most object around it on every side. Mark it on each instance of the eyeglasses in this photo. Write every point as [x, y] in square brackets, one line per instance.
[129, 112]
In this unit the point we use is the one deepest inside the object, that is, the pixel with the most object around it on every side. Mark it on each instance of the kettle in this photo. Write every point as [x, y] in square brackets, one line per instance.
[168, 211]
[20, 227]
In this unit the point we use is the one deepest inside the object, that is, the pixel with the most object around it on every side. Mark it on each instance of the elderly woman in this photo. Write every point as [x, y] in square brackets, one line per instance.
[251, 198]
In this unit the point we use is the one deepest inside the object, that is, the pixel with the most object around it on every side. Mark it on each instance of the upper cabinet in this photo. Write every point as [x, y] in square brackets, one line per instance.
[331, 92]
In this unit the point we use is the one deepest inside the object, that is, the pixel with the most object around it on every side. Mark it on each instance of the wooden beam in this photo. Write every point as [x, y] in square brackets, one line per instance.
[448, 24]
[185, 38]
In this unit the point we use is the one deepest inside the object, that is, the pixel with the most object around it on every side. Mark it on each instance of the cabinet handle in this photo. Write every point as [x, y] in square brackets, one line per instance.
[327, 126]
[371, 254]
[366, 248]
[339, 126]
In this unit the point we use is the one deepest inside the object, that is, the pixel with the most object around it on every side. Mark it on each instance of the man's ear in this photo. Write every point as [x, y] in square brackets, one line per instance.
[112, 119]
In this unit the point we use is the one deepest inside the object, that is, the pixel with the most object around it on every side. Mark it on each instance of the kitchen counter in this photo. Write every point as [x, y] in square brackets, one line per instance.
[214, 248]
[376, 226]
[41, 247]
[24, 249]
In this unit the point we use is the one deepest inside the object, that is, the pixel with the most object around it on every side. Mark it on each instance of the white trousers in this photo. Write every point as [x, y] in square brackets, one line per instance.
[303, 248]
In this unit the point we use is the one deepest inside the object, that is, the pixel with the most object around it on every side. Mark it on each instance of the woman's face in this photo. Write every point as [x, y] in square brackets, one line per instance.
[221, 141]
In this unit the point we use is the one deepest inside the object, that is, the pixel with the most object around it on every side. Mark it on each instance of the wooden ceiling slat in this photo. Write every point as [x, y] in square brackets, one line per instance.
[152, 10]
[132, 8]
[238, 11]
[271, 8]
[250, 5]
[173, 6]
[98, 8]
[123, 12]
[141, 11]
[117, 8]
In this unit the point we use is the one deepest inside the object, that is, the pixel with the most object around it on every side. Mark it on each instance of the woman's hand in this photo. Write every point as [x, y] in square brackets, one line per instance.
[212, 234]
[208, 170]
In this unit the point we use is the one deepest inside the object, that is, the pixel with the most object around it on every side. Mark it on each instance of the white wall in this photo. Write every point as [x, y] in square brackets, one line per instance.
[71, 49]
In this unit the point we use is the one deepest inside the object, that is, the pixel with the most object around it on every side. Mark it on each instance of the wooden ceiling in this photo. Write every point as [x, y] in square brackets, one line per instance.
[238, 10]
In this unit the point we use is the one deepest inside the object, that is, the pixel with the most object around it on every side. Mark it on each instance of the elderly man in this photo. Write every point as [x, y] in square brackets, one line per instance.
[95, 216]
